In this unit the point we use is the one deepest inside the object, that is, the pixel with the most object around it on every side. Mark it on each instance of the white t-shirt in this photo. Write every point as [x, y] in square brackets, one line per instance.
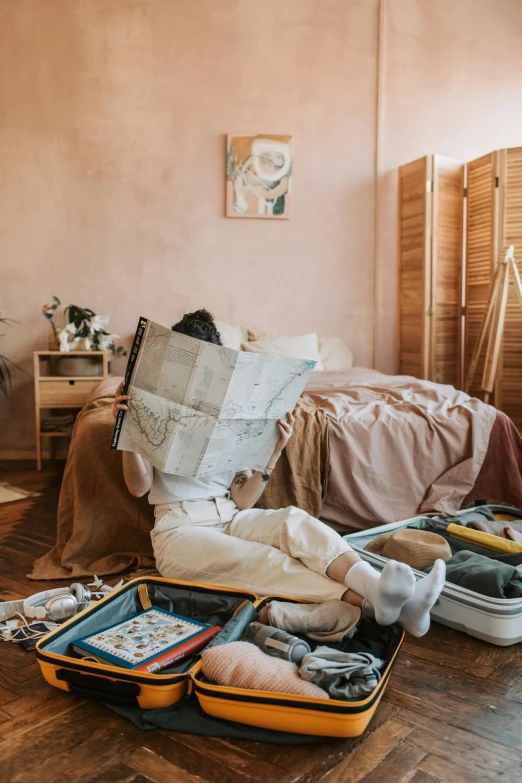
[170, 488]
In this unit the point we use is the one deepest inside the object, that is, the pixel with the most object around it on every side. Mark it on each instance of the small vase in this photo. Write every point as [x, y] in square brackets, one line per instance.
[54, 344]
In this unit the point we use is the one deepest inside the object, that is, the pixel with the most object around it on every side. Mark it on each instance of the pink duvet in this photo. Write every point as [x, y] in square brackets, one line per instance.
[399, 446]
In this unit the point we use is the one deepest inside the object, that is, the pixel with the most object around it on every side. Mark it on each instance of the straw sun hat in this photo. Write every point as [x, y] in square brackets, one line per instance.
[418, 548]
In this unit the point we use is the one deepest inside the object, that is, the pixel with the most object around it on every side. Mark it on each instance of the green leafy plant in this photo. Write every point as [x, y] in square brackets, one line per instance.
[81, 317]
[5, 371]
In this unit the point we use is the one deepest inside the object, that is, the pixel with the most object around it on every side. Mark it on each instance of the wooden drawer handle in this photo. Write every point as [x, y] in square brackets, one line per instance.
[71, 383]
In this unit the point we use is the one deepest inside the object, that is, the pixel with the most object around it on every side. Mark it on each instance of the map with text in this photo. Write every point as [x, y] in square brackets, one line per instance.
[199, 409]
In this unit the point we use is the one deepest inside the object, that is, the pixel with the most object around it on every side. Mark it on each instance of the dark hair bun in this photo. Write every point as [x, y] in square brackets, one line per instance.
[200, 325]
[200, 315]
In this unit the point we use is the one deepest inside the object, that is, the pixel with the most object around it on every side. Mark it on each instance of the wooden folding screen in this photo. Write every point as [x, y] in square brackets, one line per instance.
[431, 192]
[432, 274]
[481, 248]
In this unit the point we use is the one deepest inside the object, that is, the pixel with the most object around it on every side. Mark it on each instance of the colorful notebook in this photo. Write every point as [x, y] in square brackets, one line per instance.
[149, 641]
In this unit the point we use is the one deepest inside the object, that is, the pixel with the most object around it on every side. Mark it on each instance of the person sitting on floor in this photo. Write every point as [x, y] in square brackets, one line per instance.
[207, 530]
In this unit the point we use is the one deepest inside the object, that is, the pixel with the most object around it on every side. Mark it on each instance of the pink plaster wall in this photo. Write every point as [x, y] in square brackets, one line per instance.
[452, 86]
[113, 117]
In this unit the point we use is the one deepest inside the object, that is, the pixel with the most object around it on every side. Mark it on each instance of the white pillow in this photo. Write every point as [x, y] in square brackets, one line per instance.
[231, 336]
[301, 346]
[335, 354]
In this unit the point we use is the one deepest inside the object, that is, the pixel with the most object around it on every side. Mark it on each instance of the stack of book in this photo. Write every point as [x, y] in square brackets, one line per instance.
[149, 642]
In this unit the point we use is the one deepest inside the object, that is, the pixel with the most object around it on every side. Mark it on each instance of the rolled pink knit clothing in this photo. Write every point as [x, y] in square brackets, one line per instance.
[243, 665]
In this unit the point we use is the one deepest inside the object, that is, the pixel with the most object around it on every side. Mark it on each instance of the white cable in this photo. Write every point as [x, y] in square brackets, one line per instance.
[34, 634]
[31, 635]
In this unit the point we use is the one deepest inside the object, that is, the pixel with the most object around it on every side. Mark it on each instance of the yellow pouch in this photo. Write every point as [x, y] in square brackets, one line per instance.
[487, 540]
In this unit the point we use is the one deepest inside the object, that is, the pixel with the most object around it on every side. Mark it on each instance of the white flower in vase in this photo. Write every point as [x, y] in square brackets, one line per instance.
[66, 336]
[99, 322]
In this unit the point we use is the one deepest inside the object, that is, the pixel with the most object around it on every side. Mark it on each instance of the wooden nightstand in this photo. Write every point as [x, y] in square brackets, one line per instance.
[62, 392]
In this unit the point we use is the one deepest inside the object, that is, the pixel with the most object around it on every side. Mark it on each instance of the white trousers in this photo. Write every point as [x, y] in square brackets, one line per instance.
[282, 552]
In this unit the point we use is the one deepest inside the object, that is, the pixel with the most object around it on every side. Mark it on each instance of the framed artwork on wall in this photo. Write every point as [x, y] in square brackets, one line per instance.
[259, 174]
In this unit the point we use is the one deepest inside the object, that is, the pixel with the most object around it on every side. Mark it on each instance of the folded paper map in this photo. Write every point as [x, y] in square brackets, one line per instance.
[198, 409]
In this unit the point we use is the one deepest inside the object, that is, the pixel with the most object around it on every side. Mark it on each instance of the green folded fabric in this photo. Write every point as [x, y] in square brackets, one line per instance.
[187, 717]
[483, 575]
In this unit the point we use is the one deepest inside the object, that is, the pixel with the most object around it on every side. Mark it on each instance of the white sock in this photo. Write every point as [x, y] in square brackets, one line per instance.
[415, 614]
[386, 592]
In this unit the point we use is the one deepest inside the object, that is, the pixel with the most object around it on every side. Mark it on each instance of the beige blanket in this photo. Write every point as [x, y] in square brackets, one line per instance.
[301, 475]
[398, 446]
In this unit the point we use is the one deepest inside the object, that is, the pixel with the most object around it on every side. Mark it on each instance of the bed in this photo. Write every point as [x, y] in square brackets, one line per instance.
[368, 449]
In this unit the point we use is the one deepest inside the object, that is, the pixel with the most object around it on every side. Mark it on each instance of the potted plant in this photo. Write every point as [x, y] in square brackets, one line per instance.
[84, 331]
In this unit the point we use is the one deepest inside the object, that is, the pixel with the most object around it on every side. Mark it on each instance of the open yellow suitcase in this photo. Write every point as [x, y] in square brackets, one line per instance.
[216, 605]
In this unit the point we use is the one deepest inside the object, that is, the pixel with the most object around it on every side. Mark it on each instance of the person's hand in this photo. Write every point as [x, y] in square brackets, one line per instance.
[286, 429]
[119, 400]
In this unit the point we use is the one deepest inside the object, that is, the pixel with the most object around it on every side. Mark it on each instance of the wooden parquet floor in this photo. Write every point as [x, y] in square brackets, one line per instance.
[452, 711]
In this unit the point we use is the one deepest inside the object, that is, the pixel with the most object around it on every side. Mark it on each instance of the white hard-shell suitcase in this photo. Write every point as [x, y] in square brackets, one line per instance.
[496, 620]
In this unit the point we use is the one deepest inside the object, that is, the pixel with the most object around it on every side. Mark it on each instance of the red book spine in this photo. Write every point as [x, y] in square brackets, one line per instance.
[169, 657]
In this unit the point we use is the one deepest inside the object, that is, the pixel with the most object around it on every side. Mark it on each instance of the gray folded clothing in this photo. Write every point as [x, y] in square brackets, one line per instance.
[495, 526]
[511, 533]
[344, 676]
